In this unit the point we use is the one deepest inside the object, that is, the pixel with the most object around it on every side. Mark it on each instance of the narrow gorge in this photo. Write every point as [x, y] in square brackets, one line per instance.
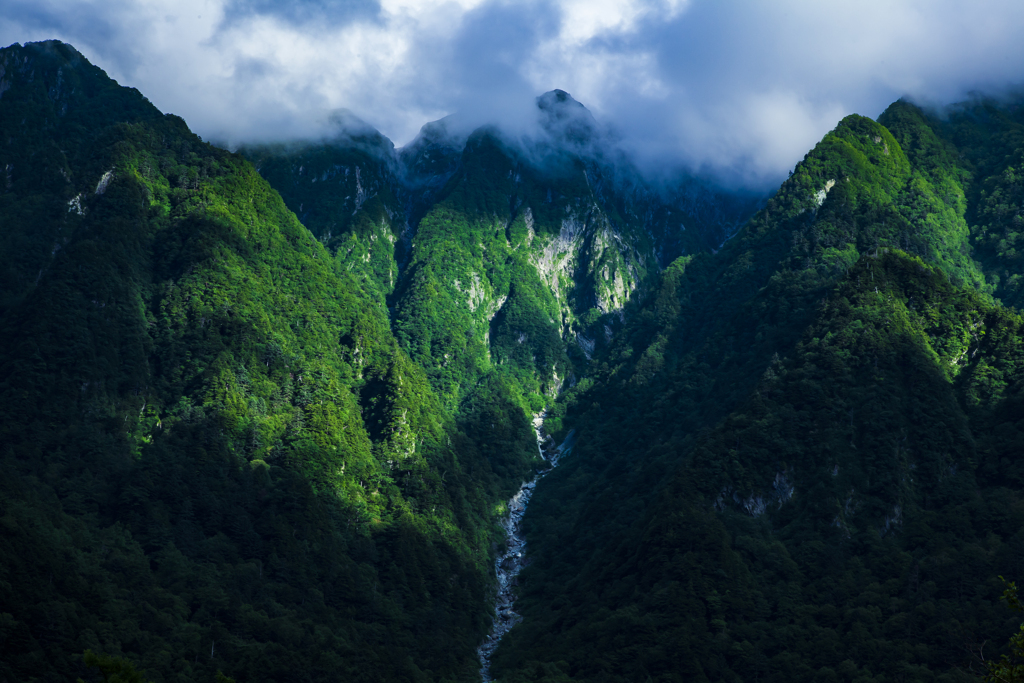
[508, 564]
[278, 414]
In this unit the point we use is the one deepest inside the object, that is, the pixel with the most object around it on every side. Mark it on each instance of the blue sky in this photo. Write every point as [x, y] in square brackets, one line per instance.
[741, 88]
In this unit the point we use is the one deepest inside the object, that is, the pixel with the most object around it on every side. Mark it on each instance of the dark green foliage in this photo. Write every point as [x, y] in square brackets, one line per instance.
[50, 126]
[799, 459]
[1008, 668]
[216, 455]
[237, 444]
[117, 669]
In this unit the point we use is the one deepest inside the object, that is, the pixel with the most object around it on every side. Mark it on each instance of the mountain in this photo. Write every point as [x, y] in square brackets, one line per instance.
[216, 454]
[270, 442]
[503, 253]
[261, 412]
[800, 460]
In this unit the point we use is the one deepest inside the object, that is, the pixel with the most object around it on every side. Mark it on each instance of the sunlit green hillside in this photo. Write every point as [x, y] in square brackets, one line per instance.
[261, 413]
[217, 455]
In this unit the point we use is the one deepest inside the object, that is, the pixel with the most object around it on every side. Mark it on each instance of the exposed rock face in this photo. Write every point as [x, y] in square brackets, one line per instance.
[614, 230]
[495, 250]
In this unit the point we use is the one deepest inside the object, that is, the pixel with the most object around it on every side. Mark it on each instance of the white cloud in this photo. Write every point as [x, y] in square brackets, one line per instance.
[582, 20]
[746, 86]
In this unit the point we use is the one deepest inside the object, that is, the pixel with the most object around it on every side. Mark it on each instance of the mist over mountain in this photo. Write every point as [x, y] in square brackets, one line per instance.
[294, 411]
[699, 85]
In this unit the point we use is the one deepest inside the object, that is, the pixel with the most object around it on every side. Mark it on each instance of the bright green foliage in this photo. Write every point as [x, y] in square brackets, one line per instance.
[345, 192]
[800, 458]
[472, 298]
[872, 196]
[523, 265]
[987, 138]
[934, 198]
[516, 257]
[216, 454]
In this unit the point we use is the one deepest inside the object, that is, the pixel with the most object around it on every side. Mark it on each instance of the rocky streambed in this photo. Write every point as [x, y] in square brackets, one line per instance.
[508, 564]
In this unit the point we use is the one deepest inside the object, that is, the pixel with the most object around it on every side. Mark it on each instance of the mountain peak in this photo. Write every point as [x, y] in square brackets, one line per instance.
[565, 118]
[349, 129]
[433, 154]
[557, 98]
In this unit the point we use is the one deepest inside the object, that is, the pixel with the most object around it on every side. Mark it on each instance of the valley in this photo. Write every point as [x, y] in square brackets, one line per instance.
[511, 562]
[290, 412]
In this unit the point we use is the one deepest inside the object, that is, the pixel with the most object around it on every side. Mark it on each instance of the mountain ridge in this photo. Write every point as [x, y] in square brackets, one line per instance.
[607, 241]
[825, 436]
[260, 412]
[204, 418]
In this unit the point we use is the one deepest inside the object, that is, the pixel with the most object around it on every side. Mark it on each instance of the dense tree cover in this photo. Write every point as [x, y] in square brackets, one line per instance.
[345, 191]
[472, 299]
[799, 460]
[524, 261]
[216, 455]
[236, 440]
[114, 669]
[258, 419]
[1009, 668]
[509, 250]
[987, 141]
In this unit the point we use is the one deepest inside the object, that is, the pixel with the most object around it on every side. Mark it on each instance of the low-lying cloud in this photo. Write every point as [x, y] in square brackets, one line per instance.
[738, 88]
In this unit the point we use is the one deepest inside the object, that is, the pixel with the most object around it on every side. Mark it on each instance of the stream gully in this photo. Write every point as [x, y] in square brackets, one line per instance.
[509, 563]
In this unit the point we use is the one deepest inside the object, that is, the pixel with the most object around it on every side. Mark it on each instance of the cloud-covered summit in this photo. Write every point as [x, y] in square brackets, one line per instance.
[741, 89]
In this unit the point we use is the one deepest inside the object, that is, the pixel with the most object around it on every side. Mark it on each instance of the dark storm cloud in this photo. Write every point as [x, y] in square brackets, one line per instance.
[741, 89]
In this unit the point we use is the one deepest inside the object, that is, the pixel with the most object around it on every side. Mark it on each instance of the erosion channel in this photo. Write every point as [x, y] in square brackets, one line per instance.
[509, 563]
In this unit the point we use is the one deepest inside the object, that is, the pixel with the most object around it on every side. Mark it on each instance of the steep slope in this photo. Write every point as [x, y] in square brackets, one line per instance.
[795, 462]
[347, 192]
[526, 248]
[986, 138]
[236, 441]
[216, 455]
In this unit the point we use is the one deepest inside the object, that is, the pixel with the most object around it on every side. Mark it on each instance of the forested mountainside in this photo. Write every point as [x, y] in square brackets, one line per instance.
[260, 412]
[278, 446]
[801, 458]
[513, 256]
[216, 455]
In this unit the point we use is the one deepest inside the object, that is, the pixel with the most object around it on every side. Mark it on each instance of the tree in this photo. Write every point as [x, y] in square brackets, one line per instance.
[1009, 668]
[114, 669]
